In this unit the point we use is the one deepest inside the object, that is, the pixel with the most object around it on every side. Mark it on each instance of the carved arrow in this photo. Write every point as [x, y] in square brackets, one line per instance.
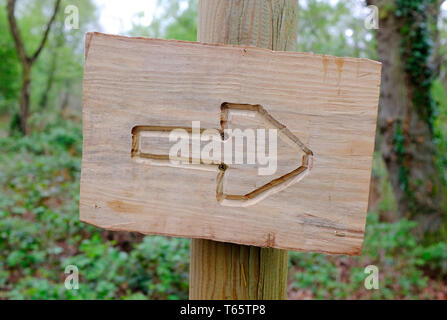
[227, 111]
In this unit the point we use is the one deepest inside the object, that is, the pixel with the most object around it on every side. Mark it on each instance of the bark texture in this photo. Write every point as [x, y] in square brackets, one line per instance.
[405, 117]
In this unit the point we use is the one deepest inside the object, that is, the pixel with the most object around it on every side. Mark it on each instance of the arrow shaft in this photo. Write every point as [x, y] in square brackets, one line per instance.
[202, 162]
[179, 162]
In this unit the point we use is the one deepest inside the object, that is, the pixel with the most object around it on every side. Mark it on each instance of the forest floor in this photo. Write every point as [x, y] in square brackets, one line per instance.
[40, 235]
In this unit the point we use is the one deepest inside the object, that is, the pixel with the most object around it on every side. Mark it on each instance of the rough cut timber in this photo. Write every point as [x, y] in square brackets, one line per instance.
[329, 103]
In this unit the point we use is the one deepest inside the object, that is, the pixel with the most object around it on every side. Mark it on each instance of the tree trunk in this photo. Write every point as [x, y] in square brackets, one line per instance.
[224, 270]
[25, 92]
[66, 99]
[406, 115]
[50, 80]
[27, 61]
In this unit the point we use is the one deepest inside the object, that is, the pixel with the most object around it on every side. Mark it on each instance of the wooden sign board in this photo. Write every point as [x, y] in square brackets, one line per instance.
[323, 108]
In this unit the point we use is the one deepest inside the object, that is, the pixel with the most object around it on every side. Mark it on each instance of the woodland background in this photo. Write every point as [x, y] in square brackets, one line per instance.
[41, 147]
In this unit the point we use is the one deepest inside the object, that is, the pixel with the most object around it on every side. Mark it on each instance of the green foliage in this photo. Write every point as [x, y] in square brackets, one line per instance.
[401, 260]
[58, 71]
[439, 93]
[416, 51]
[172, 23]
[322, 26]
[407, 268]
[40, 232]
[9, 66]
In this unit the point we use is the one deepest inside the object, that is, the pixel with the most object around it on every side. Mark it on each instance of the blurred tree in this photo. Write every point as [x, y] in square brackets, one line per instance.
[27, 60]
[442, 47]
[59, 69]
[59, 39]
[175, 20]
[57, 73]
[9, 66]
[336, 29]
[408, 112]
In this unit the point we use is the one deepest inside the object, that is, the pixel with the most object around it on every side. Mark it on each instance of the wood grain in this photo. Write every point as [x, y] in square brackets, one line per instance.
[257, 23]
[222, 271]
[265, 24]
[330, 103]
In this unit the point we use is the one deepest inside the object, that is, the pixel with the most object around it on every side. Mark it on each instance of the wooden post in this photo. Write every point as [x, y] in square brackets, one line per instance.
[223, 270]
